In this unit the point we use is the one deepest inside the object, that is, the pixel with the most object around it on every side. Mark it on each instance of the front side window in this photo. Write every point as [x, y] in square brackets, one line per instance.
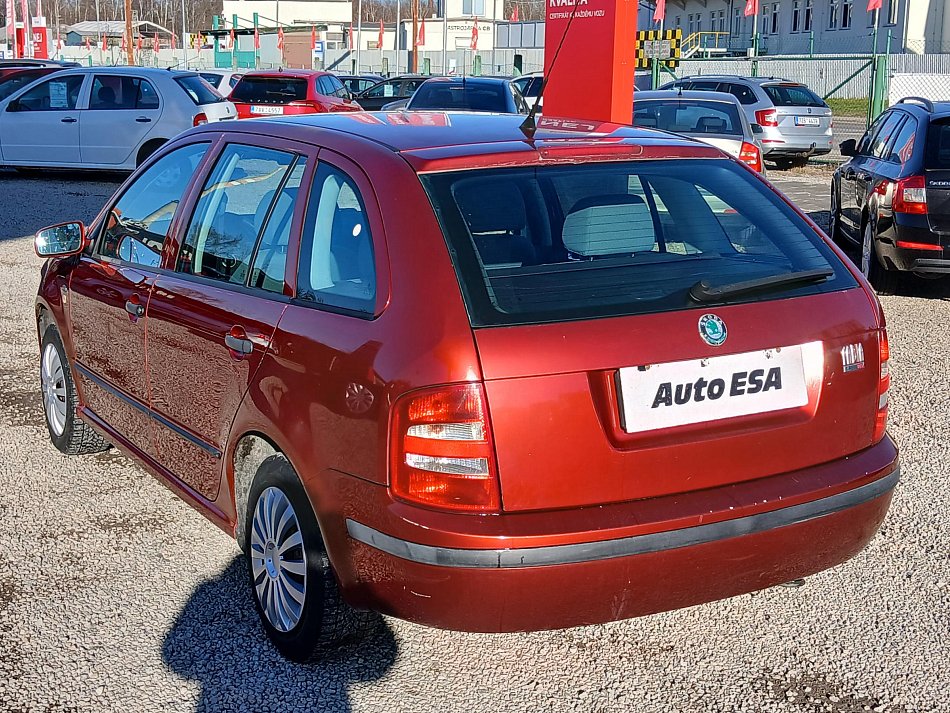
[382, 90]
[59, 94]
[18, 80]
[557, 243]
[883, 139]
[231, 211]
[137, 224]
[122, 92]
[270, 258]
[337, 267]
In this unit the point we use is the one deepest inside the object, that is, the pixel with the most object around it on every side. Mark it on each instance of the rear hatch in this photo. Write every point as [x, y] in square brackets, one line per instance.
[937, 175]
[800, 111]
[606, 381]
[271, 95]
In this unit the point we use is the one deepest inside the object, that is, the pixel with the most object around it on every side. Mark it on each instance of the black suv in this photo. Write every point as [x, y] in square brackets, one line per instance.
[892, 197]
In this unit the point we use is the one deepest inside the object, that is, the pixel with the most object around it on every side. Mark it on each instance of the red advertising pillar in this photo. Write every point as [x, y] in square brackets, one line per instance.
[589, 59]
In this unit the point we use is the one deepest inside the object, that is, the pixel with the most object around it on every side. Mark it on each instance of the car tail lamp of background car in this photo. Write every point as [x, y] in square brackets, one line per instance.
[442, 450]
[910, 196]
[200, 119]
[750, 155]
[766, 117]
[880, 422]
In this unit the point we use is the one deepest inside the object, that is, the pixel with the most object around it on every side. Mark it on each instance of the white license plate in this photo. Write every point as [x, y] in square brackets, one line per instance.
[807, 121]
[267, 110]
[700, 390]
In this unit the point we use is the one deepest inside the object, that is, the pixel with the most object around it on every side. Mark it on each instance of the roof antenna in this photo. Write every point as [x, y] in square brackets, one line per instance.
[529, 126]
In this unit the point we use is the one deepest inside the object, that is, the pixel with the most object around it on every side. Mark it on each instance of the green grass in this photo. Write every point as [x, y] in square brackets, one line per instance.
[848, 107]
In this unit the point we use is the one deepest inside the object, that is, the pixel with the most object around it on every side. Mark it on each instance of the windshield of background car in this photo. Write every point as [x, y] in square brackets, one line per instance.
[688, 116]
[556, 243]
[461, 97]
[938, 145]
[199, 90]
[270, 90]
[793, 95]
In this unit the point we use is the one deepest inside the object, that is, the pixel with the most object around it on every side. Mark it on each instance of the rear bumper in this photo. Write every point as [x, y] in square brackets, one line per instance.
[912, 229]
[777, 143]
[478, 581]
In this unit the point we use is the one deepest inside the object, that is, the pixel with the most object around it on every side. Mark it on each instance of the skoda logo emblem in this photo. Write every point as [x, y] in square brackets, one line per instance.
[712, 330]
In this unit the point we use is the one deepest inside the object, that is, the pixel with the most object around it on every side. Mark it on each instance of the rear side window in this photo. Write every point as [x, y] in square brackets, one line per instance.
[902, 147]
[744, 94]
[938, 145]
[334, 87]
[462, 97]
[337, 267]
[269, 90]
[198, 90]
[792, 95]
[234, 204]
[270, 259]
[122, 92]
[688, 116]
[137, 224]
[213, 79]
[578, 242]
[704, 86]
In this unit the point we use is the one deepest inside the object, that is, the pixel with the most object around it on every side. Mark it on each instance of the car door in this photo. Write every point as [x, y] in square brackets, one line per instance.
[850, 208]
[383, 93]
[109, 292]
[122, 111]
[214, 310]
[871, 165]
[40, 126]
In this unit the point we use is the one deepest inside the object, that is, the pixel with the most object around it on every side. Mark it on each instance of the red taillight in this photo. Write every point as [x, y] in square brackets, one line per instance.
[200, 119]
[910, 196]
[766, 117]
[442, 452]
[880, 421]
[750, 155]
[908, 245]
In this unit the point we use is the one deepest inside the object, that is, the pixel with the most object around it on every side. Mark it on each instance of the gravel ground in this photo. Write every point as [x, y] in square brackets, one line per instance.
[114, 595]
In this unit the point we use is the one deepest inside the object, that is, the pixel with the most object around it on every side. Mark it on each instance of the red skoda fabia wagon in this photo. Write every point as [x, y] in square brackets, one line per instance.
[424, 365]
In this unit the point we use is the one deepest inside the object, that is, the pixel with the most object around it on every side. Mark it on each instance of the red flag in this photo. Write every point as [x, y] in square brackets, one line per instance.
[351, 35]
[257, 40]
[751, 7]
[474, 35]
[11, 25]
[122, 46]
[313, 37]
[155, 45]
[88, 45]
[379, 42]
[421, 38]
[59, 44]
[231, 39]
[173, 42]
[874, 5]
[660, 13]
[514, 13]
[39, 8]
[138, 43]
[280, 38]
[199, 41]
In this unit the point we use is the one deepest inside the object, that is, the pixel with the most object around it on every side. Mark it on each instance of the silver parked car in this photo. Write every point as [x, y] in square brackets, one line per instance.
[796, 122]
[711, 117]
[103, 117]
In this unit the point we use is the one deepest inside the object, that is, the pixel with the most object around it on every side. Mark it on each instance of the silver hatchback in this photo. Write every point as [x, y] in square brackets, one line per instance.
[796, 122]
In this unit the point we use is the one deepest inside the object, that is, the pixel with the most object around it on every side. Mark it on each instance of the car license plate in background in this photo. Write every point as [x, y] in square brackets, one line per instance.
[267, 110]
[807, 121]
[685, 392]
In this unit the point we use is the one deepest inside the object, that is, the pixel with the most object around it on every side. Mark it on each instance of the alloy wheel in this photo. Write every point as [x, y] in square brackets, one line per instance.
[833, 219]
[867, 250]
[278, 560]
[53, 385]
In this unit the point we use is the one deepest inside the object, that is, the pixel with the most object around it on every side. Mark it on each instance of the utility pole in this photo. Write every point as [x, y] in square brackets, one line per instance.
[445, 37]
[415, 36]
[129, 50]
[359, 34]
[184, 35]
[398, 32]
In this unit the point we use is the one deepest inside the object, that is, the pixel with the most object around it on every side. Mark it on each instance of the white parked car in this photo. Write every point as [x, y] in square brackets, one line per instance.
[103, 117]
[221, 79]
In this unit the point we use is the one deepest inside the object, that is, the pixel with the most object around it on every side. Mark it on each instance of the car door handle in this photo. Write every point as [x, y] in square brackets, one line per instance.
[134, 308]
[143, 120]
[239, 345]
[69, 120]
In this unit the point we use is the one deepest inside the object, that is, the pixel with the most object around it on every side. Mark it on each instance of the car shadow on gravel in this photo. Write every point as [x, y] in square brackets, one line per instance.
[218, 642]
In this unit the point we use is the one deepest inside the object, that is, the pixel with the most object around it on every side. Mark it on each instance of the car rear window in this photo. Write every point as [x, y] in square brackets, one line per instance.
[938, 145]
[792, 95]
[270, 90]
[462, 97]
[199, 90]
[556, 243]
[688, 116]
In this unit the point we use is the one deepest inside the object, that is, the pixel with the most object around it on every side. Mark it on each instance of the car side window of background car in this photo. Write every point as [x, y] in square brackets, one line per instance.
[882, 139]
[741, 92]
[137, 224]
[231, 211]
[58, 94]
[122, 92]
[384, 89]
[270, 258]
[337, 266]
[335, 87]
[864, 145]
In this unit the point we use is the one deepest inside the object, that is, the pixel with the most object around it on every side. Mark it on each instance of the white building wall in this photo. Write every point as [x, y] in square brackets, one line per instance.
[288, 12]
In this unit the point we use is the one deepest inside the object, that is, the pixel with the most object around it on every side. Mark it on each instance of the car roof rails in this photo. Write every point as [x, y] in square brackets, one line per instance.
[925, 103]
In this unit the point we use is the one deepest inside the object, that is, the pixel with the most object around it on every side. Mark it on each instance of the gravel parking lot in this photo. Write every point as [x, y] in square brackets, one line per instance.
[114, 595]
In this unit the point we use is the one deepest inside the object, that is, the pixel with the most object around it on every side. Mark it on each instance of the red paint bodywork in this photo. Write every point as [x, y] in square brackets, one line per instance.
[569, 474]
[315, 103]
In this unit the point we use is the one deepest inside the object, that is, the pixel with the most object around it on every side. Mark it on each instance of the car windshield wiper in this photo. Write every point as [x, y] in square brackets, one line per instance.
[704, 292]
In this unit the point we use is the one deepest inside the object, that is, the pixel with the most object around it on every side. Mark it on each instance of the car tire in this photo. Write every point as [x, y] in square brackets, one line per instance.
[834, 219]
[69, 433]
[293, 586]
[884, 281]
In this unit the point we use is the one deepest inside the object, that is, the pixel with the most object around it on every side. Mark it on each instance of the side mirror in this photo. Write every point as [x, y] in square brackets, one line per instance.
[60, 240]
[848, 148]
[757, 129]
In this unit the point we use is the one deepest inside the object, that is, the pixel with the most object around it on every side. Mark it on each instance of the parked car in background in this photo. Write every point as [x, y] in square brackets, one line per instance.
[390, 90]
[103, 117]
[26, 62]
[357, 83]
[530, 87]
[420, 365]
[892, 196]
[796, 122]
[712, 117]
[224, 80]
[13, 79]
[290, 91]
[486, 94]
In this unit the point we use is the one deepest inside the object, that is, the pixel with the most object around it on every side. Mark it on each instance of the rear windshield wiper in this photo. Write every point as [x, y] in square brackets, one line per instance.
[704, 292]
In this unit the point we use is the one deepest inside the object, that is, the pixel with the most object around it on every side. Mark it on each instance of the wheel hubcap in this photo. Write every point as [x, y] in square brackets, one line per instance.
[866, 252]
[832, 222]
[278, 560]
[53, 385]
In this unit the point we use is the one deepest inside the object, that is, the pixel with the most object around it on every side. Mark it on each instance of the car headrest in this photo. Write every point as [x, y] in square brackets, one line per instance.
[711, 124]
[491, 206]
[609, 225]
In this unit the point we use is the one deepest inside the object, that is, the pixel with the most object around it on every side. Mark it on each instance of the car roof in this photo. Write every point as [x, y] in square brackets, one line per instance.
[738, 78]
[674, 94]
[914, 105]
[298, 73]
[468, 80]
[140, 71]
